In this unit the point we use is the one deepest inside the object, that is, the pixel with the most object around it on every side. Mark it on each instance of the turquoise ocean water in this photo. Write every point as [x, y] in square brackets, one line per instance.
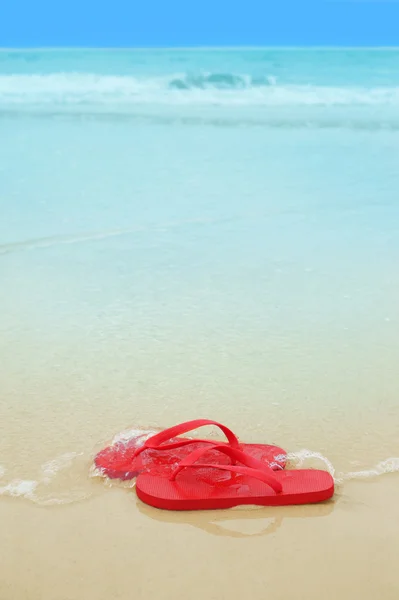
[193, 233]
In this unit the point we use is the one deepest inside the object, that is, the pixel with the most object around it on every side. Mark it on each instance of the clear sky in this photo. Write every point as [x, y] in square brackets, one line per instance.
[32, 23]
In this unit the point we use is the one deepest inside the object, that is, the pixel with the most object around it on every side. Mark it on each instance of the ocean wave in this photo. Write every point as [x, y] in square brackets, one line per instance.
[217, 89]
[220, 81]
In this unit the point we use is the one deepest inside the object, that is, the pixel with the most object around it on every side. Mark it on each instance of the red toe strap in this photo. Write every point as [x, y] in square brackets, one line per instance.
[156, 442]
[252, 467]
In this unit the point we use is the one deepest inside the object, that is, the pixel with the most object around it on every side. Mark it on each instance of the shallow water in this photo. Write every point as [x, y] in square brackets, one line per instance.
[198, 233]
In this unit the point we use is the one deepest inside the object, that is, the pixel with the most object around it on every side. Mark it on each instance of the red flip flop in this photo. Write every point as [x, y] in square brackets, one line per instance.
[200, 486]
[125, 460]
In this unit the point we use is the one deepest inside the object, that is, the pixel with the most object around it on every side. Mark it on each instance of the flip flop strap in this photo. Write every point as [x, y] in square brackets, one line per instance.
[250, 466]
[156, 442]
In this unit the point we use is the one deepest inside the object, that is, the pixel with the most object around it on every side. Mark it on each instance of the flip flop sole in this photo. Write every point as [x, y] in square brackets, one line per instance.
[206, 489]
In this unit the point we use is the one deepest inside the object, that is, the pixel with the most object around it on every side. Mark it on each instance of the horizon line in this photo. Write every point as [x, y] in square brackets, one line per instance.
[194, 48]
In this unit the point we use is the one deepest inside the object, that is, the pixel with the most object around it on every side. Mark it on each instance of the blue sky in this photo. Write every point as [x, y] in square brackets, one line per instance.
[32, 23]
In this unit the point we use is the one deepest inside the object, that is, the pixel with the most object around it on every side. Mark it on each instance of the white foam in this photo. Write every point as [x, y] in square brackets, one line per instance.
[298, 459]
[52, 467]
[19, 488]
[88, 89]
[390, 465]
[37, 490]
[130, 434]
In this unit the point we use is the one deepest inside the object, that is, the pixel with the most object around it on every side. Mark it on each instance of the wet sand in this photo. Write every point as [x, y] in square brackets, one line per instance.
[113, 546]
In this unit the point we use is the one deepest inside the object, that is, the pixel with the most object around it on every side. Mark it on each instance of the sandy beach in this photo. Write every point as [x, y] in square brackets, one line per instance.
[113, 546]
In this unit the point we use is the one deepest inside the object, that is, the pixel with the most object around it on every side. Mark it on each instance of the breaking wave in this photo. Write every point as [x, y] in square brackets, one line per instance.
[217, 89]
[220, 81]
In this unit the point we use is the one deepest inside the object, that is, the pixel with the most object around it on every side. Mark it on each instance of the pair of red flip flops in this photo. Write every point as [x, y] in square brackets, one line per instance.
[176, 473]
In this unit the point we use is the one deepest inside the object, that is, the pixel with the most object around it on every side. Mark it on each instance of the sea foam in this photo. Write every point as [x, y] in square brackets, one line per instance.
[220, 89]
